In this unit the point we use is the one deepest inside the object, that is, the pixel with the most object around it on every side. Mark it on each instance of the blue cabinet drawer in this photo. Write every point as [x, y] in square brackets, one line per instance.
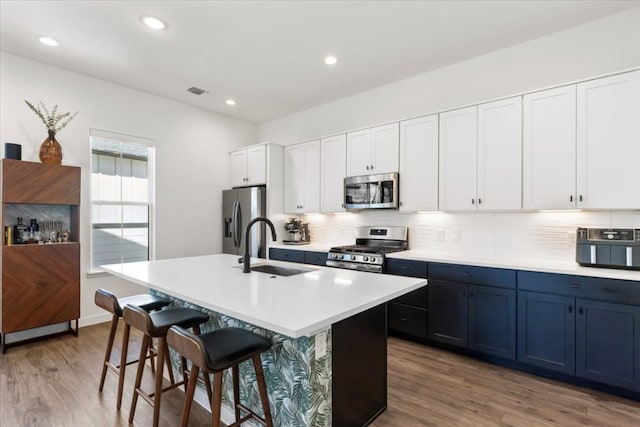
[497, 277]
[417, 298]
[408, 320]
[597, 288]
[315, 258]
[286, 255]
[409, 268]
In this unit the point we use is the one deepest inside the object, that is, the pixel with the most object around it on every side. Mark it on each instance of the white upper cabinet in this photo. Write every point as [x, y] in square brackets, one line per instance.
[302, 177]
[549, 149]
[248, 166]
[333, 155]
[480, 157]
[500, 155]
[608, 141]
[372, 151]
[419, 164]
[458, 160]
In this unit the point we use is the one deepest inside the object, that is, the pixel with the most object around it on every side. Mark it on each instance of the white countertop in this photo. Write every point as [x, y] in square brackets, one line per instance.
[295, 306]
[315, 247]
[545, 266]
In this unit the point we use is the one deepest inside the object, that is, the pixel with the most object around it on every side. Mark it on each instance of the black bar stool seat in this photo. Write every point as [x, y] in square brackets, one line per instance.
[213, 353]
[109, 302]
[156, 325]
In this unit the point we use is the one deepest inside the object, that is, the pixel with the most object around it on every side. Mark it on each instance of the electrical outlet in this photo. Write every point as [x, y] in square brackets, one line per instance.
[457, 235]
[321, 344]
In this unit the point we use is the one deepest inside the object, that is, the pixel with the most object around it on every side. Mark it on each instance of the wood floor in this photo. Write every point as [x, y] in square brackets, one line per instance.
[55, 383]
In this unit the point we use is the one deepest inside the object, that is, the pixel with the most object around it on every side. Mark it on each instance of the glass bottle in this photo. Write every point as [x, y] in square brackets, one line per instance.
[20, 232]
[34, 230]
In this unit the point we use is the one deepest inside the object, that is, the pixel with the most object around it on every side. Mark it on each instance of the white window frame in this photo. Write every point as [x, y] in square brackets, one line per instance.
[151, 176]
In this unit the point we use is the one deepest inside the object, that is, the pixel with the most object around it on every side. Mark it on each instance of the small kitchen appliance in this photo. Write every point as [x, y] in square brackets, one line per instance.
[371, 191]
[608, 248]
[368, 254]
[298, 232]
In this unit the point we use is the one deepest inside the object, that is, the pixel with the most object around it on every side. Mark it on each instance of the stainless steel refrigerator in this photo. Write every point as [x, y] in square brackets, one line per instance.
[239, 207]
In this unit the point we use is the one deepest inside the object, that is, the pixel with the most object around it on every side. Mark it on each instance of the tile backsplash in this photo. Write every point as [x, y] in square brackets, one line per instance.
[539, 235]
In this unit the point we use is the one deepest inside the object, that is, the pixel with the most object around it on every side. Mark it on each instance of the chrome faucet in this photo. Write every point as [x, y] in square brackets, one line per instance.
[246, 258]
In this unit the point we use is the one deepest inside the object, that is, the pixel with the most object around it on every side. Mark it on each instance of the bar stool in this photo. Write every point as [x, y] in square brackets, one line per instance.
[156, 325]
[113, 305]
[213, 353]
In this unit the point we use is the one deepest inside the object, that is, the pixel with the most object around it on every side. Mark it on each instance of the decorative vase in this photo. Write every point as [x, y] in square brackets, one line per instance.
[51, 151]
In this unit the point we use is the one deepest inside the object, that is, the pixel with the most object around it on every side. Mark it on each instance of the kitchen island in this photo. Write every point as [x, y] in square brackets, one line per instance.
[328, 362]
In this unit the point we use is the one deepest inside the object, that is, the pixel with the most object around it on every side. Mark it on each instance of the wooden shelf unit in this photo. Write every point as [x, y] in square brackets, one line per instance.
[40, 282]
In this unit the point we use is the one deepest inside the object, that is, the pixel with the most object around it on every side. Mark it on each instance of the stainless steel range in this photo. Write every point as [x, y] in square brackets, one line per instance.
[368, 254]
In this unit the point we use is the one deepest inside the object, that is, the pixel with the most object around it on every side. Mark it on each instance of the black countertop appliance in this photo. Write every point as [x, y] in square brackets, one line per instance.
[609, 248]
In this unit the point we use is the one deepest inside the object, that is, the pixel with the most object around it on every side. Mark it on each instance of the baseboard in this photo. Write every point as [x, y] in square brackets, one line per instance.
[94, 320]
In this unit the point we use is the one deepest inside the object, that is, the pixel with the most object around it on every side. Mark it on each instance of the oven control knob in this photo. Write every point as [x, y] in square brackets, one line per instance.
[353, 257]
[365, 258]
[339, 256]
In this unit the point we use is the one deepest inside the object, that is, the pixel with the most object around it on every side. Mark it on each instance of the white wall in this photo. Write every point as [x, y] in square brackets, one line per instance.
[605, 46]
[191, 154]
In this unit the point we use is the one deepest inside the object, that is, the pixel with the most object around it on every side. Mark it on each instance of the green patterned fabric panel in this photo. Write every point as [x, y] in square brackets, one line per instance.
[298, 383]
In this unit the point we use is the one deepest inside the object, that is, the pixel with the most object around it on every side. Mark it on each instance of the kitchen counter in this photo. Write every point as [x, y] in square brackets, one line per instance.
[545, 266]
[328, 362]
[295, 306]
[315, 247]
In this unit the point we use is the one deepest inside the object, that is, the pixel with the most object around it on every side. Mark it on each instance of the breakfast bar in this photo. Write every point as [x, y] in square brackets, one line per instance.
[328, 362]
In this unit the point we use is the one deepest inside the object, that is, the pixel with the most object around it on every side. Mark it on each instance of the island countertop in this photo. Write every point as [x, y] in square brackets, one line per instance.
[295, 306]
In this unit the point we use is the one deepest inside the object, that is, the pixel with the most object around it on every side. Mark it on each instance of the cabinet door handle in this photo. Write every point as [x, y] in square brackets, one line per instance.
[574, 285]
[473, 201]
[570, 309]
[580, 198]
[571, 198]
[371, 167]
[479, 201]
[580, 310]
[467, 274]
[367, 167]
[470, 294]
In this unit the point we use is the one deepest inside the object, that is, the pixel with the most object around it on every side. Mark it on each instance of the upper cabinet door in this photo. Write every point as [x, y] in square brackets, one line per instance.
[359, 152]
[609, 142]
[458, 137]
[332, 172]
[419, 164]
[238, 165]
[549, 149]
[311, 177]
[257, 165]
[293, 168]
[384, 148]
[500, 155]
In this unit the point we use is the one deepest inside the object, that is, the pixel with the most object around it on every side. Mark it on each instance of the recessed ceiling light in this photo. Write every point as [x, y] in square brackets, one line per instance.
[153, 23]
[48, 41]
[331, 60]
[230, 102]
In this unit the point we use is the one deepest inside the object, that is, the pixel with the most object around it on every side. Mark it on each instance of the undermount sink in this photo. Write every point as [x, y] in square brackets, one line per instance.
[279, 271]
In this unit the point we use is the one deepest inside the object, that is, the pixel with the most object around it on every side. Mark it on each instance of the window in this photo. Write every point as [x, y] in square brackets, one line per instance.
[122, 187]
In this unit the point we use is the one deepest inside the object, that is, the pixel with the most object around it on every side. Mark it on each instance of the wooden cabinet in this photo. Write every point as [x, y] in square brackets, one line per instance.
[473, 307]
[373, 151]
[419, 164]
[480, 157]
[407, 315]
[248, 166]
[549, 149]
[608, 142]
[333, 168]
[583, 326]
[40, 282]
[302, 177]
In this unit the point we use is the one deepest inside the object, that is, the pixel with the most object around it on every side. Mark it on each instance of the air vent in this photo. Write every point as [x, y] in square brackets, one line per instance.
[196, 90]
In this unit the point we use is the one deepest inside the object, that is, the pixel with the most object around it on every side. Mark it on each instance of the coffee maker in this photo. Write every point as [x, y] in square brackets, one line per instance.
[298, 232]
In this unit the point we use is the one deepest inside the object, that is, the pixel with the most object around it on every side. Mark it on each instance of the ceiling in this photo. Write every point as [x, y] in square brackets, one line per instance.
[268, 55]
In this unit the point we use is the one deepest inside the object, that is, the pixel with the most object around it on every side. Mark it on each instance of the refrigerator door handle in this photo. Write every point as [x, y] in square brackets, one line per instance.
[237, 235]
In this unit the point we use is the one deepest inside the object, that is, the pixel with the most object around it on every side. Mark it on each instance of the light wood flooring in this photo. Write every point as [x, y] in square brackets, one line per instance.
[55, 383]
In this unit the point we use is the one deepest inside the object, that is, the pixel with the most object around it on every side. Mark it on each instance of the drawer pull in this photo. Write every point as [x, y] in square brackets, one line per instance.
[580, 311]
[570, 309]
[467, 274]
[574, 285]
[404, 319]
[404, 267]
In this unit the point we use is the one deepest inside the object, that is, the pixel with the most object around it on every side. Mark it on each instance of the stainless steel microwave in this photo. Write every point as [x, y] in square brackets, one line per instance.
[371, 191]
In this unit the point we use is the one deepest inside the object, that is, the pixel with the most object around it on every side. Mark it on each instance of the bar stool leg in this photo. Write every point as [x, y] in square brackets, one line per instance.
[186, 409]
[216, 402]
[157, 396]
[107, 356]
[136, 386]
[167, 358]
[262, 386]
[123, 363]
[236, 390]
[152, 357]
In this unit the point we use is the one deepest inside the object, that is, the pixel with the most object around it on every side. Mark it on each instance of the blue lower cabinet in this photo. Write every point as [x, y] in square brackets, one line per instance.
[608, 343]
[448, 313]
[546, 331]
[315, 258]
[492, 321]
[290, 255]
[407, 320]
